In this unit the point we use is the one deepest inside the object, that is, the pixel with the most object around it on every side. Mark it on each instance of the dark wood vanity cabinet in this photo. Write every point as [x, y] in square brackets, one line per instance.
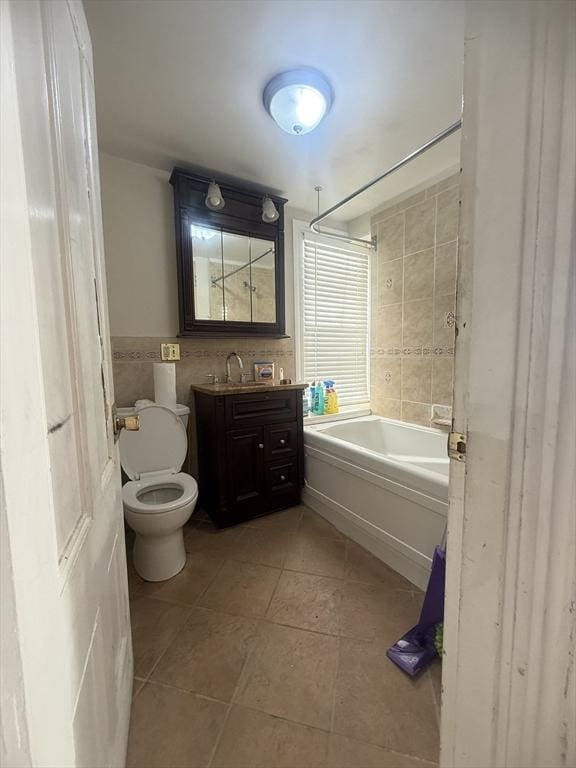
[250, 453]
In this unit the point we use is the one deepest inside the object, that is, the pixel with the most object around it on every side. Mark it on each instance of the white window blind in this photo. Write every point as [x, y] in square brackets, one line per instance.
[335, 298]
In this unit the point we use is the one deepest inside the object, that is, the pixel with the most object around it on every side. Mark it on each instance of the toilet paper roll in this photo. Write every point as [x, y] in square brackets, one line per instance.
[165, 384]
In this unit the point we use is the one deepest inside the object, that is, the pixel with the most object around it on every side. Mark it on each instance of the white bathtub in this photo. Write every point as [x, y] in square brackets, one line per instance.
[384, 483]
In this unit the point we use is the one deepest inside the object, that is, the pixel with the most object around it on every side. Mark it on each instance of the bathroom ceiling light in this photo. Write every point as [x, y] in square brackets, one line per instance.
[269, 211]
[214, 199]
[298, 100]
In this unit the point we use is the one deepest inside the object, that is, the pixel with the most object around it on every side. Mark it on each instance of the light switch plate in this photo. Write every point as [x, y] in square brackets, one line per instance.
[170, 351]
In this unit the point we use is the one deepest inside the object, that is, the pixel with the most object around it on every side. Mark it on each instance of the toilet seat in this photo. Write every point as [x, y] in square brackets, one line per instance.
[137, 488]
[157, 447]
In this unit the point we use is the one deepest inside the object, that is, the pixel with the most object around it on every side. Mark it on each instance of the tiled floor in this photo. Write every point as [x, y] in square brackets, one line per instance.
[268, 651]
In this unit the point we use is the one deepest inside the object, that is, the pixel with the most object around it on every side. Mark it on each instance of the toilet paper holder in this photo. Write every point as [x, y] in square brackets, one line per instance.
[129, 423]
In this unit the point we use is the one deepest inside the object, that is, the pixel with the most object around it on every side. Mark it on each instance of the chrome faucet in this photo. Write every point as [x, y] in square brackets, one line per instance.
[240, 367]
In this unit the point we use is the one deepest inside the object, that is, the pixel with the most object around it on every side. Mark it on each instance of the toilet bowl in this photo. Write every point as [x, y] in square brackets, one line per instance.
[158, 499]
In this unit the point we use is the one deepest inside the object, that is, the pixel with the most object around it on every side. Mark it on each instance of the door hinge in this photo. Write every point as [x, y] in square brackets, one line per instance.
[457, 446]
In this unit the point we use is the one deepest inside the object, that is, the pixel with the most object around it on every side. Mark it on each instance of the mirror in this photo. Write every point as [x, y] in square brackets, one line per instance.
[230, 262]
[234, 276]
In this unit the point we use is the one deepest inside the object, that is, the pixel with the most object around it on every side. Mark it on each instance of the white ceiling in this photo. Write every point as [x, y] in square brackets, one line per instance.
[180, 82]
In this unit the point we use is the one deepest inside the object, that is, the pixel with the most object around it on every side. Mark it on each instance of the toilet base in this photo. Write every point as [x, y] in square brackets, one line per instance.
[158, 558]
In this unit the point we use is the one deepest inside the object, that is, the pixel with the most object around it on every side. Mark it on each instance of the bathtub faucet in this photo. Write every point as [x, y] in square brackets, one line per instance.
[240, 367]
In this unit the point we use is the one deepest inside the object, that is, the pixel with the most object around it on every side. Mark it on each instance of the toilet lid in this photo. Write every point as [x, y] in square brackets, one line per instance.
[158, 446]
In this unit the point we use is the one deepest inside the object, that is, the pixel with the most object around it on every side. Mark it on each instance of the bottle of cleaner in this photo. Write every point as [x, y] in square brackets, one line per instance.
[305, 401]
[331, 398]
[318, 401]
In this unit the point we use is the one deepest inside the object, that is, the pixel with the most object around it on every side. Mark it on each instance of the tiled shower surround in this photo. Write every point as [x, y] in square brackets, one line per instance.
[413, 296]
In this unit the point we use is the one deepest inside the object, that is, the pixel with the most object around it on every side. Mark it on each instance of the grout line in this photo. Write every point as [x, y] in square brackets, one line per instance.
[335, 688]
[170, 642]
[232, 701]
[174, 687]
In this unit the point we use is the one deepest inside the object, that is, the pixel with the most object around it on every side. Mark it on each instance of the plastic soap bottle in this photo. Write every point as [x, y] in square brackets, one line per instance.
[318, 400]
[331, 398]
[306, 401]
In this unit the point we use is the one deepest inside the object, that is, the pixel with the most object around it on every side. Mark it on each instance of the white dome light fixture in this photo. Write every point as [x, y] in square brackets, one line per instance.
[214, 199]
[298, 100]
[269, 211]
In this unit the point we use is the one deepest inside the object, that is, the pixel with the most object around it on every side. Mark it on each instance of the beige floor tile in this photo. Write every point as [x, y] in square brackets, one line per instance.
[208, 654]
[173, 729]
[291, 674]
[287, 520]
[206, 539]
[257, 740]
[363, 566]
[154, 625]
[198, 573]
[308, 602]
[312, 554]
[376, 612]
[379, 704]
[135, 581]
[137, 685]
[267, 546]
[243, 588]
[348, 753]
[435, 672]
[314, 524]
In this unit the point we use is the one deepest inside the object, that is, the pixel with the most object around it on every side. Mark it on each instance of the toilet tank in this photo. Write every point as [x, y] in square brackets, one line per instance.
[180, 410]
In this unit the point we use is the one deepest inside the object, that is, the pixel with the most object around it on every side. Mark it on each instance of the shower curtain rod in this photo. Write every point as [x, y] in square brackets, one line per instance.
[416, 153]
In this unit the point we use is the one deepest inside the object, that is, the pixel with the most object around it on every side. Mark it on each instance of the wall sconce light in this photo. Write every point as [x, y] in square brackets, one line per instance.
[214, 199]
[269, 211]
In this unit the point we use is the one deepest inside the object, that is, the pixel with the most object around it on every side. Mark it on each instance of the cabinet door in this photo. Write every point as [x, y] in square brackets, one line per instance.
[245, 470]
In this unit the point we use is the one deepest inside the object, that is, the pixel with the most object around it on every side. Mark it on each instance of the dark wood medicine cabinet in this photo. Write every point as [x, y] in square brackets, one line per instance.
[230, 261]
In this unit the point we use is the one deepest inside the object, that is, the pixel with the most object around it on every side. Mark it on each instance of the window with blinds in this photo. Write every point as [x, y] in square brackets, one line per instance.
[335, 317]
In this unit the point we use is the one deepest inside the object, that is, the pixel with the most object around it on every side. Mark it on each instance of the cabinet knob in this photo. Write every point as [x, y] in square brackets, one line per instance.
[261, 445]
[282, 442]
[283, 478]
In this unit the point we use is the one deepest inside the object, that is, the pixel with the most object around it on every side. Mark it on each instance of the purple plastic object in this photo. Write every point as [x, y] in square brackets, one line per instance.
[416, 649]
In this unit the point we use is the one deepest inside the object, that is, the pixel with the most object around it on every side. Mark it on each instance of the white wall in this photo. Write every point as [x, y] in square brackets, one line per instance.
[140, 247]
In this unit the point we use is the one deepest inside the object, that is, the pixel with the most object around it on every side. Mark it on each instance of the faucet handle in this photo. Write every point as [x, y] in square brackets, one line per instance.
[243, 378]
[212, 378]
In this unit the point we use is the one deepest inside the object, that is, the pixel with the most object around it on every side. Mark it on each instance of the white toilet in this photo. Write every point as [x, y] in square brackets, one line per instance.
[159, 499]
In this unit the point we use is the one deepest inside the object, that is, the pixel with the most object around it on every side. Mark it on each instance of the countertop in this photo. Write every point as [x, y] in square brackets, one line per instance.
[249, 387]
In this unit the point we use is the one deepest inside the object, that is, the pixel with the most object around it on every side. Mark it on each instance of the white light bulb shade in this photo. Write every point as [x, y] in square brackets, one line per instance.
[269, 211]
[214, 199]
[298, 100]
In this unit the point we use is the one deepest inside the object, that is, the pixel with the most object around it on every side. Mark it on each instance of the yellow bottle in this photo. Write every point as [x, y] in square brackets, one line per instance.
[331, 399]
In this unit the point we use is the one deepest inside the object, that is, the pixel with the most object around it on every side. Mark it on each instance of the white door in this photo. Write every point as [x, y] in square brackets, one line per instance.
[509, 690]
[60, 467]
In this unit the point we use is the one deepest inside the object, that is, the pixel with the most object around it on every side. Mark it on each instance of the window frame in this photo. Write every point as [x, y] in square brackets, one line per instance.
[300, 230]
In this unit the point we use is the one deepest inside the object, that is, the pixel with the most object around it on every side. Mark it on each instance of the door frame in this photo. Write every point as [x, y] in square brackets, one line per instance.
[511, 528]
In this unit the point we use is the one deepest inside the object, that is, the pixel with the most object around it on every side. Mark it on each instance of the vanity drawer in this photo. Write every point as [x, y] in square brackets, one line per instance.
[282, 481]
[260, 408]
[280, 440]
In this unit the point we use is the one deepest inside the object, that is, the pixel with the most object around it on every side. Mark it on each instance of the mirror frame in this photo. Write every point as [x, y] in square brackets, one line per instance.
[242, 215]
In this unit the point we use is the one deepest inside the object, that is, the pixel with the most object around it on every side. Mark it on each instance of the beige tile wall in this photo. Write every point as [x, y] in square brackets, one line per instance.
[413, 295]
[133, 358]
